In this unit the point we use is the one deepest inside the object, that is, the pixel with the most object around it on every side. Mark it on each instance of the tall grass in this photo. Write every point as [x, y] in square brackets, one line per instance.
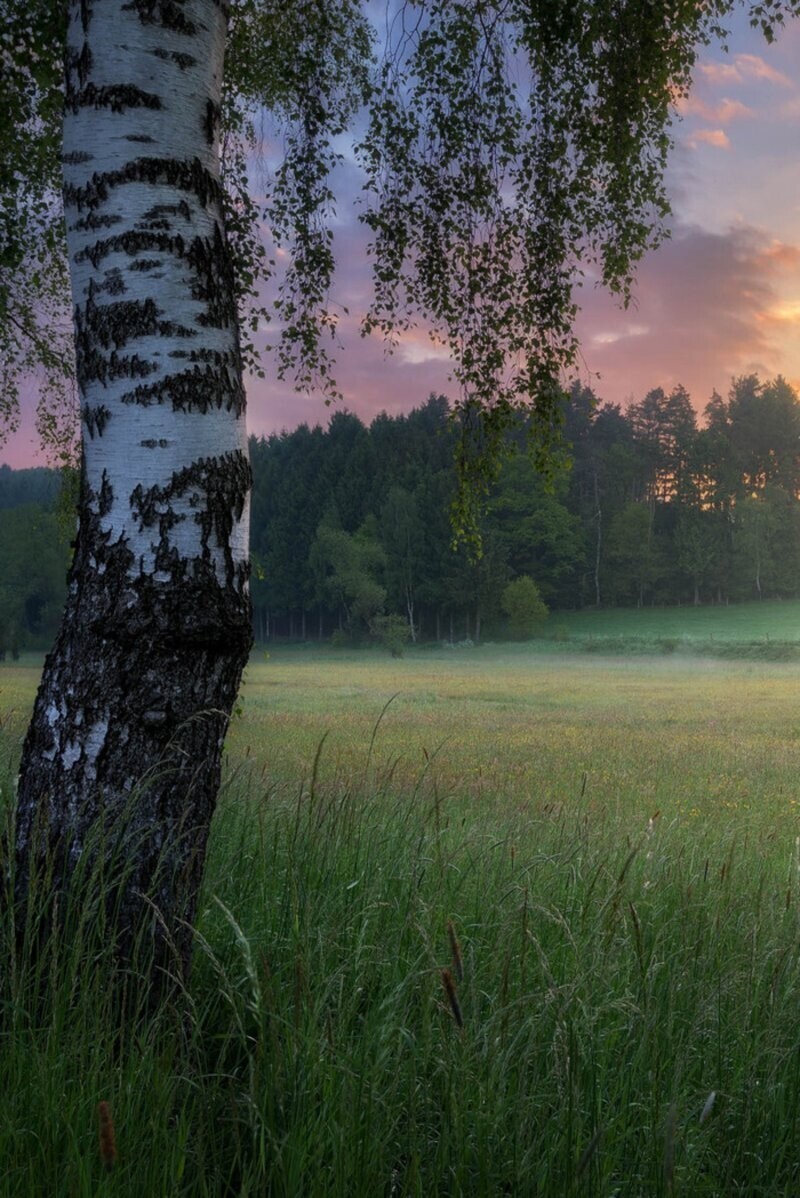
[610, 974]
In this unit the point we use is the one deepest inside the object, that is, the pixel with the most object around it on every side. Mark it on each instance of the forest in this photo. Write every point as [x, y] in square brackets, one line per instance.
[352, 529]
[652, 507]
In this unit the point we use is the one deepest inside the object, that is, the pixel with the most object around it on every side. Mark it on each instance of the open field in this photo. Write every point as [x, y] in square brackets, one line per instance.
[706, 740]
[614, 841]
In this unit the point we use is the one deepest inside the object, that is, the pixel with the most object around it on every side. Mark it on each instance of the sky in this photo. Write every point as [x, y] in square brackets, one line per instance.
[720, 298]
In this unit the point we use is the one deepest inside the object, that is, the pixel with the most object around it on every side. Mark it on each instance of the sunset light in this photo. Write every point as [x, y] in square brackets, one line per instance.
[720, 298]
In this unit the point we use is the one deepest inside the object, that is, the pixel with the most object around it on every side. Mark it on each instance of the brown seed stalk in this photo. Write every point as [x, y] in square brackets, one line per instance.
[452, 996]
[108, 1142]
[589, 1152]
[455, 951]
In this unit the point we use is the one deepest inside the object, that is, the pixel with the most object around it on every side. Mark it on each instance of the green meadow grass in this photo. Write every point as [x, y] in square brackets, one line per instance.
[614, 841]
[745, 623]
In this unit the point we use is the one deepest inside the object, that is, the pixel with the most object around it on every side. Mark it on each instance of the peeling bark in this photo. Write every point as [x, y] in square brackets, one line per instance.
[124, 748]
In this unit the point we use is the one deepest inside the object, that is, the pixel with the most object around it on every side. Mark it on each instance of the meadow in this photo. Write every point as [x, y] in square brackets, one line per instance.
[773, 619]
[481, 921]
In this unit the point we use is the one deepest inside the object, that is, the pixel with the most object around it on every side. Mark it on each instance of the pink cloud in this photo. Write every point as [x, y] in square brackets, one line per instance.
[753, 66]
[710, 137]
[744, 67]
[707, 306]
[721, 114]
[371, 377]
[718, 73]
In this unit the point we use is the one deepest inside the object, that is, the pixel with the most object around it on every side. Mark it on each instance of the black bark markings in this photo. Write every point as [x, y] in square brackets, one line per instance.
[117, 97]
[95, 417]
[135, 241]
[168, 14]
[216, 357]
[160, 212]
[76, 157]
[80, 61]
[208, 257]
[199, 389]
[211, 119]
[186, 175]
[100, 327]
[181, 60]
[117, 323]
[145, 263]
[97, 220]
[168, 670]
[120, 366]
[113, 282]
[215, 284]
[105, 499]
[224, 483]
[158, 651]
[86, 14]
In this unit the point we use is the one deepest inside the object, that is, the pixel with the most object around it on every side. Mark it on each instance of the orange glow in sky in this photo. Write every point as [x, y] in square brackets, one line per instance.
[720, 298]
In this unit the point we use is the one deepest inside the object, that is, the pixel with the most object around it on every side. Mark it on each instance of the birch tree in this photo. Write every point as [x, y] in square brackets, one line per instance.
[510, 146]
[135, 697]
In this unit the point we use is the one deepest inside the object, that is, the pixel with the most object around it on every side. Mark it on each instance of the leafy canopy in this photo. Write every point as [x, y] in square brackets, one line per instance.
[509, 148]
[35, 325]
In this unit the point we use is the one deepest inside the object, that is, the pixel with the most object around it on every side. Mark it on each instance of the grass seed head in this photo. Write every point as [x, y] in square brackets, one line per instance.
[452, 996]
[455, 951]
[108, 1142]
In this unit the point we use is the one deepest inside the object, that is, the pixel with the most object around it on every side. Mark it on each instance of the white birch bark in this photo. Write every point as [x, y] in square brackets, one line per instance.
[137, 692]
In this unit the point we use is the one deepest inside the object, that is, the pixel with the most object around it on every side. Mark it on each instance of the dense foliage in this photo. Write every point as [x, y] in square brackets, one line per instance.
[506, 150]
[33, 558]
[351, 523]
[32, 582]
[657, 509]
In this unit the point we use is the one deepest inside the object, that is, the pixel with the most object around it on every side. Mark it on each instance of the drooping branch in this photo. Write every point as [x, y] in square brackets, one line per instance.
[516, 149]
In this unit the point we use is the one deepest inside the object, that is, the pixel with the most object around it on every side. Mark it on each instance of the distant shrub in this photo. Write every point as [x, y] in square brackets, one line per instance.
[561, 632]
[524, 606]
[760, 650]
[340, 639]
[392, 632]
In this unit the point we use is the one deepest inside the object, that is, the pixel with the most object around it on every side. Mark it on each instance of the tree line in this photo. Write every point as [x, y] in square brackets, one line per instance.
[351, 533]
[34, 556]
[657, 507]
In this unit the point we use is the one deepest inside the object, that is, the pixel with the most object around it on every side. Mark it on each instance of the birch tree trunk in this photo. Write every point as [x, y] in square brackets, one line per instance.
[125, 743]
